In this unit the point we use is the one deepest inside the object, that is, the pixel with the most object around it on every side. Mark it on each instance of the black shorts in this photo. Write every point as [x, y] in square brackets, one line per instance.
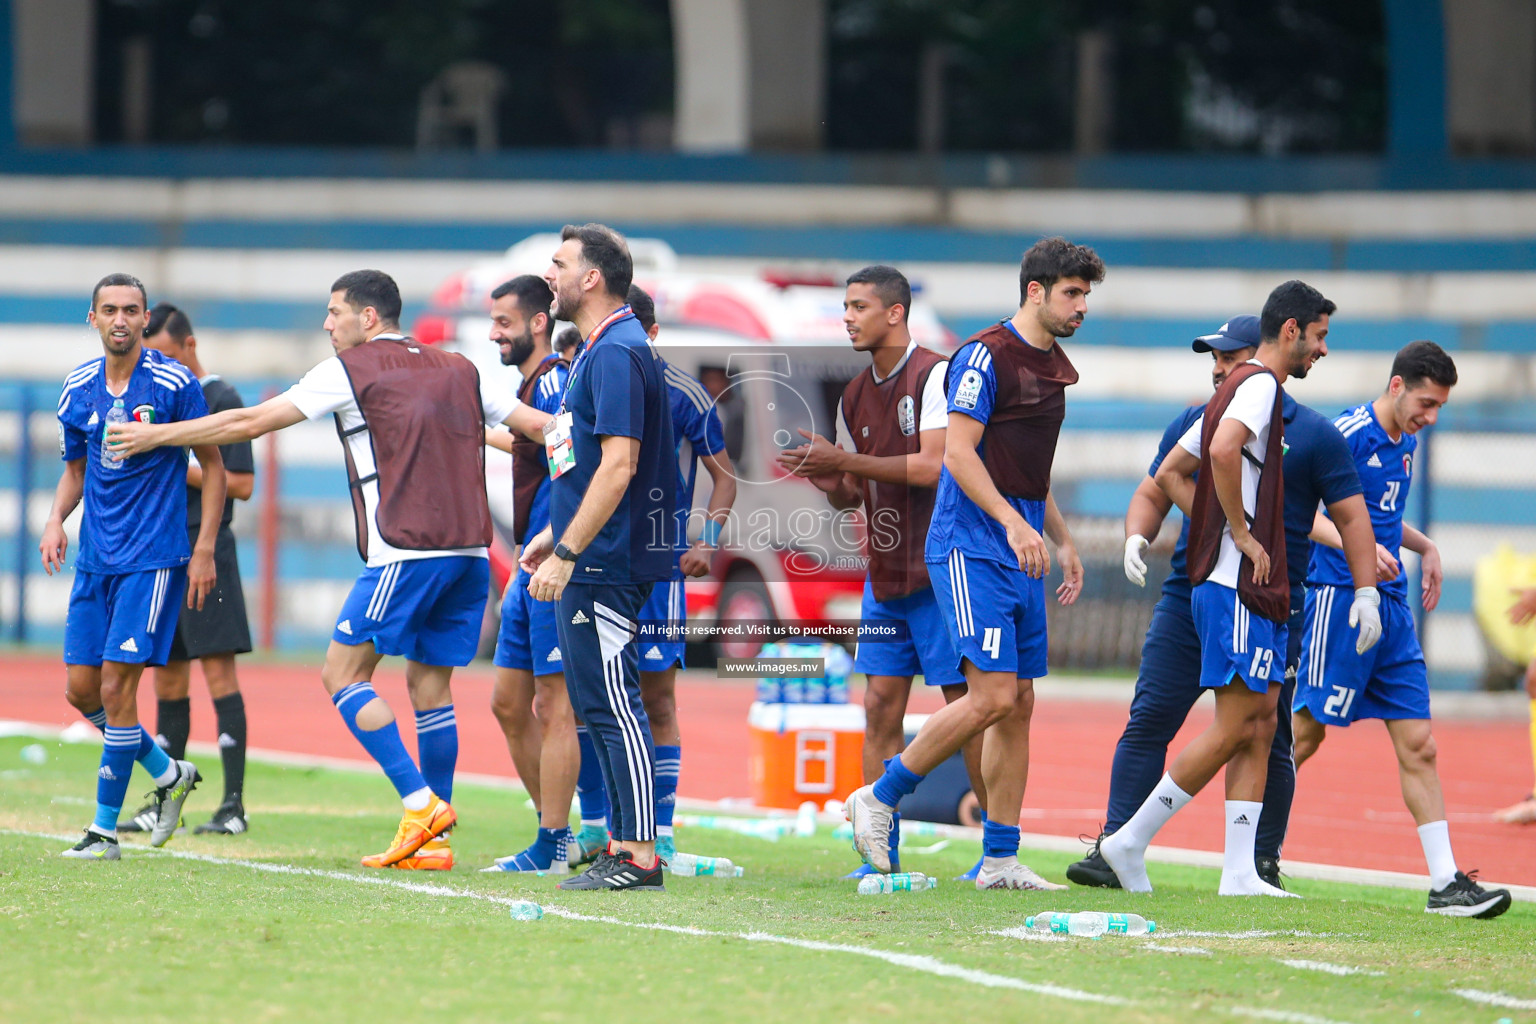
[221, 627]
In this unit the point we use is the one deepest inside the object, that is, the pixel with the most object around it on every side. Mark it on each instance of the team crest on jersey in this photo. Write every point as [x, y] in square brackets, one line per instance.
[969, 391]
[906, 415]
[1407, 464]
[144, 413]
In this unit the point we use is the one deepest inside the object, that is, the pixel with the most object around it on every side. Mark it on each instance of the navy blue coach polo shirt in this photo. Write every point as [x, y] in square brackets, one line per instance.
[616, 389]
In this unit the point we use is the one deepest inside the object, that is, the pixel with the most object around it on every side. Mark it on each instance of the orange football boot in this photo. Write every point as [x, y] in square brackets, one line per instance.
[434, 855]
[416, 828]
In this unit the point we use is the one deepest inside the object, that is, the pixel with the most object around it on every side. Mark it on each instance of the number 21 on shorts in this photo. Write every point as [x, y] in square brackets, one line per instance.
[992, 640]
[1337, 706]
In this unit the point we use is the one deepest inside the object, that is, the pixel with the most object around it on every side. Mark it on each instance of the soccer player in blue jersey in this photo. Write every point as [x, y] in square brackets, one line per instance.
[1337, 684]
[412, 421]
[700, 437]
[987, 557]
[1317, 470]
[529, 698]
[613, 471]
[135, 561]
[1243, 634]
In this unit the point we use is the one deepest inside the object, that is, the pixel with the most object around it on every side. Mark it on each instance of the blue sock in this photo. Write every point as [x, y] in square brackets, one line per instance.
[895, 843]
[153, 759]
[590, 788]
[896, 783]
[383, 745]
[98, 718]
[669, 764]
[999, 840]
[117, 749]
[551, 839]
[437, 744]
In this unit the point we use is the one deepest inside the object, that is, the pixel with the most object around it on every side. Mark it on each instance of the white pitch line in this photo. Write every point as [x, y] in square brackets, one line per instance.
[1335, 969]
[1495, 999]
[912, 961]
[1252, 934]
[1158, 947]
[1288, 1016]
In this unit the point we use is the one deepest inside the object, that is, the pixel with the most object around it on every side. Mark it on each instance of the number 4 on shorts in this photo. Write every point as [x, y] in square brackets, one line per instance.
[992, 640]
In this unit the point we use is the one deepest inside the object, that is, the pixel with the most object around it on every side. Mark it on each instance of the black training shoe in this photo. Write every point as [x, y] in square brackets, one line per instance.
[1269, 870]
[1465, 898]
[144, 819]
[228, 820]
[1093, 870]
[618, 871]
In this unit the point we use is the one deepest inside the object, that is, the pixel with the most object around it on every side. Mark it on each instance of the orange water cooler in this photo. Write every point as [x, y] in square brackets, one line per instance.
[803, 752]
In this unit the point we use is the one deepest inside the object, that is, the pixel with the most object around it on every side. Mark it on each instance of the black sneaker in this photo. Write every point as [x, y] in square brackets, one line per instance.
[1093, 870]
[228, 820]
[144, 819]
[1465, 898]
[1269, 870]
[618, 871]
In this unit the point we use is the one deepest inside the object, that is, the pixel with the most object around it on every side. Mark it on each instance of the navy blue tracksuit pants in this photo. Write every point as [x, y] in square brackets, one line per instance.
[596, 623]
[1167, 686]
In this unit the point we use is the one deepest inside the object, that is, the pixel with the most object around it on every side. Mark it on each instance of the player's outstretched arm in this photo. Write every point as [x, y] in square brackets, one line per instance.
[964, 464]
[528, 421]
[1326, 533]
[55, 542]
[201, 573]
[227, 427]
[501, 440]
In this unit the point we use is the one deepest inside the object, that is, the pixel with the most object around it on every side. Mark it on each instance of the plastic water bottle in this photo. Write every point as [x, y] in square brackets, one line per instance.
[839, 668]
[770, 690]
[1092, 923]
[116, 414]
[1042, 922]
[805, 819]
[903, 881]
[688, 865]
[525, 910]
[36, 753]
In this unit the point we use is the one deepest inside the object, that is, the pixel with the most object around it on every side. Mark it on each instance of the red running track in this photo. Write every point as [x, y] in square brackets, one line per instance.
[1348, 807]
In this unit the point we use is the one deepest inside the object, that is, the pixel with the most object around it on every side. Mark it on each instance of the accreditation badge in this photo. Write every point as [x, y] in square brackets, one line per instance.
[557, 445]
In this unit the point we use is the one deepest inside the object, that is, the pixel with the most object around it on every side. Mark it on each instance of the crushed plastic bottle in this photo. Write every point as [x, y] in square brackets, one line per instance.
[688, 865]
[902, 881]
[525, 910]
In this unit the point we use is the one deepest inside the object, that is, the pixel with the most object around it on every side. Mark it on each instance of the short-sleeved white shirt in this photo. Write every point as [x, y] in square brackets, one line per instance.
[326, 389]
[1252, 405]
[933, 413]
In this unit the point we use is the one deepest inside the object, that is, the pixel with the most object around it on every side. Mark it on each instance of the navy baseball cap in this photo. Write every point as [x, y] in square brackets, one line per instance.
[1239, 332]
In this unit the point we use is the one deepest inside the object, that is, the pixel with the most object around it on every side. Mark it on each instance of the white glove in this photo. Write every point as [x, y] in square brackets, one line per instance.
[1365, 614]
[1135, 568]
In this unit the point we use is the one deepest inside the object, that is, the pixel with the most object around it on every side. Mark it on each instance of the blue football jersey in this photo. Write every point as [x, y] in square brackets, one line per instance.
[958, 522]
[697, 430]
[135, 515]
[547, 394]
[1385, 467]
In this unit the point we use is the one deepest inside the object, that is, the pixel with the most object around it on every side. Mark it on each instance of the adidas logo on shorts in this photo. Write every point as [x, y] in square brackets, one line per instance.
[130, 646]
[554, 655]
[580, 618]
[344, 626]
[654, 654]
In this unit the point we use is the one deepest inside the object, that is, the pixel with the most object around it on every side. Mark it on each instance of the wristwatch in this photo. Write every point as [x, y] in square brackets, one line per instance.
[563, 552]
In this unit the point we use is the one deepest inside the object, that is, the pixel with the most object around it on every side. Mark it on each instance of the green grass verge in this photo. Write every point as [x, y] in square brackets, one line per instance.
[157, 937]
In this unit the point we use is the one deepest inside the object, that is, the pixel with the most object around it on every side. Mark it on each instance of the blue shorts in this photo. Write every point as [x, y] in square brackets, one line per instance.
[1234, 642]
[126, 617]
[426, 609]
[915, 641]
[994, 614]
[661, 620]
[527, 639]
[1337, 685]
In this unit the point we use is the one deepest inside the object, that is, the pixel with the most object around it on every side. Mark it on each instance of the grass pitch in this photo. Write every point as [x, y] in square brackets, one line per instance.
[282, 924]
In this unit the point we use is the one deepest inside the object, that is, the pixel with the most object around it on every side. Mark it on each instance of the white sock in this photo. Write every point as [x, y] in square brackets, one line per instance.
[999, 863]
[594, 823]
[664, 830]
[1166, 801]
[1436, 839]
[418, 800]
[103, 832]
[170, 775]
[1242, 826]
